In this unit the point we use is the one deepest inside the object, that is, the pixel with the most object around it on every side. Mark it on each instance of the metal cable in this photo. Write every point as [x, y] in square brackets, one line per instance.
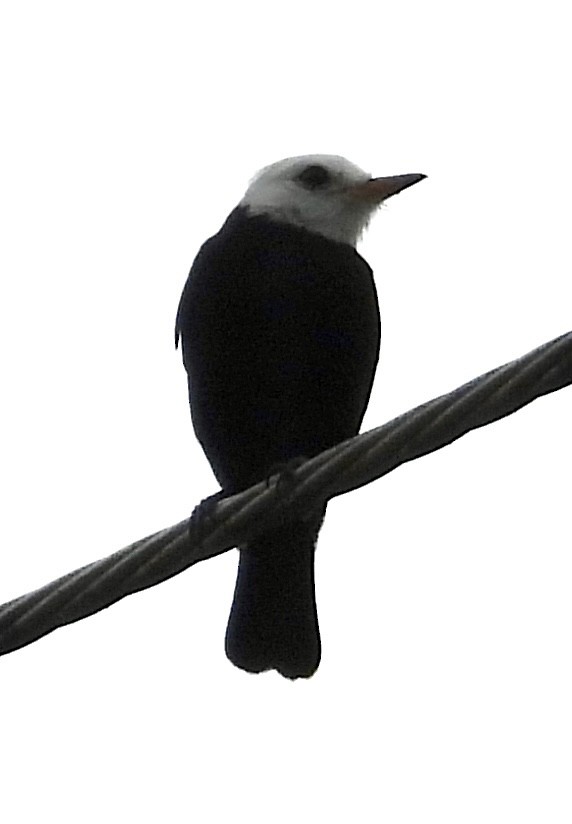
[218, 527]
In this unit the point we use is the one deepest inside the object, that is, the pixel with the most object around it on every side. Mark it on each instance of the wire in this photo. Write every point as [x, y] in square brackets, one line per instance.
[218, 526]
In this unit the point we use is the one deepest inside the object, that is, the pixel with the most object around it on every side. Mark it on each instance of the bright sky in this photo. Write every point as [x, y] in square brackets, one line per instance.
[129, 132]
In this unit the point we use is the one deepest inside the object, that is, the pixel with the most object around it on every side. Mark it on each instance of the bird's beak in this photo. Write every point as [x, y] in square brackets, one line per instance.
[380, 188]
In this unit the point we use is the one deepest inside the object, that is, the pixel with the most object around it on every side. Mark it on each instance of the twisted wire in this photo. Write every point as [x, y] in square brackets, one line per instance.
[233, 521]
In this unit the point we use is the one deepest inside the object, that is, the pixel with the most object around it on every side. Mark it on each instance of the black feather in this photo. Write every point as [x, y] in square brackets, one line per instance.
[280, 338]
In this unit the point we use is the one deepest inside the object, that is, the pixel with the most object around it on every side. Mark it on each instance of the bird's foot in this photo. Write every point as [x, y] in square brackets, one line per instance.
[281, 480]
[201, 519]
[284, 473]
[285, 485]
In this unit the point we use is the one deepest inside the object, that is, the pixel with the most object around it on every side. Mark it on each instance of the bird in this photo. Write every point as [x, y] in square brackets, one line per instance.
[279, 327]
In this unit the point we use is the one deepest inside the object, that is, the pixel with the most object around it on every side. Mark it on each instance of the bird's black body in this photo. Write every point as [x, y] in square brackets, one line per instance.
[280, 337]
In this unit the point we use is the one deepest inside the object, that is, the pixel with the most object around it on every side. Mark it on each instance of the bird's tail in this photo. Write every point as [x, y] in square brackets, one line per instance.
[273, 621]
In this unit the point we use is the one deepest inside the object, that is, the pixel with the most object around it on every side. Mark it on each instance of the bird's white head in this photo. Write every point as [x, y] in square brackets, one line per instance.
[325, 194]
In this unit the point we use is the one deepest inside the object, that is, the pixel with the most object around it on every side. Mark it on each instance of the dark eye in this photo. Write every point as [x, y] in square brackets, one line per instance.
[313, 177]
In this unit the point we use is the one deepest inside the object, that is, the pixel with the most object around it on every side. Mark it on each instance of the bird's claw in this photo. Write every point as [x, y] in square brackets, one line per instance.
[284, 474]
[201, 518]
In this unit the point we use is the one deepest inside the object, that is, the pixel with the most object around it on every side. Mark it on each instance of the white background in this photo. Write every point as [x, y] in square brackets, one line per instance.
[129, 132]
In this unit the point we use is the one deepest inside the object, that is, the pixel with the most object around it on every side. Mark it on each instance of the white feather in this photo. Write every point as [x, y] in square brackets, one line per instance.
[329, 210]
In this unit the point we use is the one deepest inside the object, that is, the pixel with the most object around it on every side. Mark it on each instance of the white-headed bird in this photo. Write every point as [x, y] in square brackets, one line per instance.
[279, 324]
